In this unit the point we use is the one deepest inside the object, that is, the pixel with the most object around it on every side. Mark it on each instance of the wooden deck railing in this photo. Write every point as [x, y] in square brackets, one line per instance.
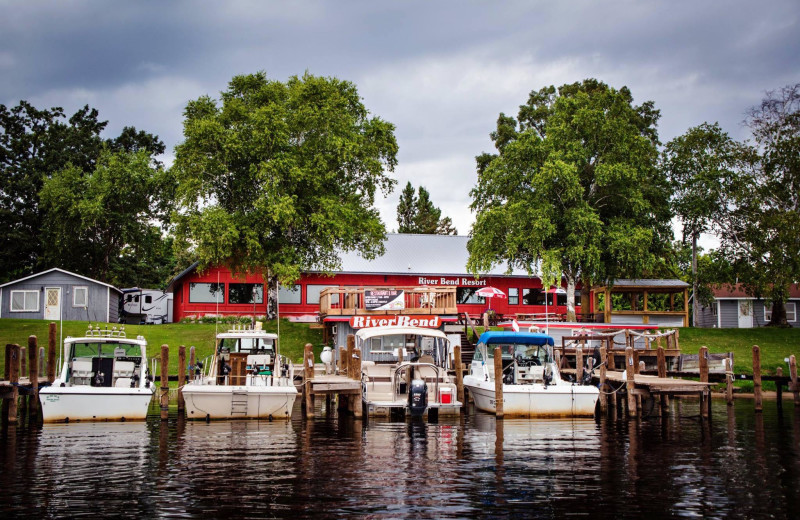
[349, 301]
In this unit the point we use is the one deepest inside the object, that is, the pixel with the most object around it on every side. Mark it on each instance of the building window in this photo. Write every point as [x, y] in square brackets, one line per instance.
[24, 301]
[791, 311]
[466, 295]
[290, 295]
[245, 293]
[513, 296]
[206, 293]
[80, 296]
[577, 298]
[532, 297]
[312, 294]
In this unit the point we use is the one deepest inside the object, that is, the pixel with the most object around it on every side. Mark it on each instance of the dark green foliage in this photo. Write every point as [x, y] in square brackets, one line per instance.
[416, 213]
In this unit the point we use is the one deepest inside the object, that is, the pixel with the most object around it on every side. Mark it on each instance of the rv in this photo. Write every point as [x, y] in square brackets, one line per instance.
[145, 306]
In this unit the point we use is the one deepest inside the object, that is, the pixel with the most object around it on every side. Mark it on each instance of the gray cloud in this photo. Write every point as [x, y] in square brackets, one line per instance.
[440, 71]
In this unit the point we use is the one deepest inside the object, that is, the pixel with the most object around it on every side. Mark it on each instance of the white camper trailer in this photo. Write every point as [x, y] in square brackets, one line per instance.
[145, 306]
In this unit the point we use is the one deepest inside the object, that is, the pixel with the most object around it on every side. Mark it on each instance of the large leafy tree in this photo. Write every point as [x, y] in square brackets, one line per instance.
[416, 213]
[705, 167]
[103, 223]
[574, 178]
[280, 177]
[34, 144]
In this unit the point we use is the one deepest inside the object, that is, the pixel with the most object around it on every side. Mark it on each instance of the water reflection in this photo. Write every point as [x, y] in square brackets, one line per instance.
[739, 464]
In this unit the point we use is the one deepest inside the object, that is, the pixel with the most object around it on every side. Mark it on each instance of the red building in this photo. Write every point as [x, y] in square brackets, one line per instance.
[410, 262]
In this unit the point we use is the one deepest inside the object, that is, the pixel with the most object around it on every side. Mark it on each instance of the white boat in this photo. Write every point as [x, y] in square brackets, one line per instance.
[419, 384]
[245, 379]
[103, 378]
[532, 383]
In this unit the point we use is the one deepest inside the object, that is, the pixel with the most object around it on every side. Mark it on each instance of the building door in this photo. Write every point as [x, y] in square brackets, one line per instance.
[745, 314]
[52, 303]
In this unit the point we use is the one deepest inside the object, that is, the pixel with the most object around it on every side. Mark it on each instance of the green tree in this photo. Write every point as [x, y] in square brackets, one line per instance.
[704, 167]
[407, 210]
[416, 213]
[282, 176]
[574, 178]
[100, 223]
[34, 144]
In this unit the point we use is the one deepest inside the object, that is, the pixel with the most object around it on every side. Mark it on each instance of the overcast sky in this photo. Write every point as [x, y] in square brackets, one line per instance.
[440, 71]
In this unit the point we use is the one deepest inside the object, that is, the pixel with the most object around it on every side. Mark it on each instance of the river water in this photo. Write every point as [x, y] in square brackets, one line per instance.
[738, 465]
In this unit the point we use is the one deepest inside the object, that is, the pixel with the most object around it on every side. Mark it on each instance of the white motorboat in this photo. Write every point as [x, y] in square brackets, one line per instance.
[532, 383]
[416, 381]
[246, 378]
[103, 378]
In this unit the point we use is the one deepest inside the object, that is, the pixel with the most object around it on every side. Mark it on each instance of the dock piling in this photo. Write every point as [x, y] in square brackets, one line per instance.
[459, 375]
[779, 389]
[33, 374]
[181, 378]
[728, 382]
[12, 364]
[578, 365]
[51, 353]
[355, 364]
[630, 383]
[602, 375]
[308, 375]
[705, 397]
[164, 382]
[793, 376]
[498, 382]
[759, 403]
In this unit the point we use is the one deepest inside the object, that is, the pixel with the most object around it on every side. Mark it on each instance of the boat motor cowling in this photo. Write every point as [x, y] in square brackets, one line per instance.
[418, 398]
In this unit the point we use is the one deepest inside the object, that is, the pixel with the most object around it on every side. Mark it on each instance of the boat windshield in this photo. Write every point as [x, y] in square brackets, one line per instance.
[526, 355]
[248, 345]
[105, 350]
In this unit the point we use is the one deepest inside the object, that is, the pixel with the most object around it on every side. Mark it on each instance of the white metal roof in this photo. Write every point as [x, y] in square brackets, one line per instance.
[372, 332]
[408, 253]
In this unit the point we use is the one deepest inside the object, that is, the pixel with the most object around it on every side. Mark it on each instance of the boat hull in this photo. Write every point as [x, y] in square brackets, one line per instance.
[64, 404]
[535, 400]
[208, 402]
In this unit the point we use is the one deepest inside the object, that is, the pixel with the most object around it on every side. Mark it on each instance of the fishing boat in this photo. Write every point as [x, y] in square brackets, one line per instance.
[532, 383]
[246, 378]
[405, 370]
[103, 378]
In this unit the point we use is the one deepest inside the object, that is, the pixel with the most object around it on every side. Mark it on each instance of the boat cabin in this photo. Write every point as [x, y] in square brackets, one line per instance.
[525, 356]
[105, 358]
[245, 357]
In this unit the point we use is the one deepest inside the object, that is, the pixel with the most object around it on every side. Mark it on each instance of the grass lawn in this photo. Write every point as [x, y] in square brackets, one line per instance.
[293, 337]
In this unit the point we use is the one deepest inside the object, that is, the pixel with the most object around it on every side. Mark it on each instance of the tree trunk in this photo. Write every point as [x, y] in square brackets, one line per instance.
[586, 298]
[272, 296]
[570, 297]
[778, 314]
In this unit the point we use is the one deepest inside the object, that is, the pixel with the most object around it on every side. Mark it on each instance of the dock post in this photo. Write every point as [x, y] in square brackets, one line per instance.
[23, 371]
[728, 382]
[6, 377]
[164, 382]
[779, 388]
[308, 375]
[42, 357]
[351, 345]
[459, 376]
[341, 400]
[33, 374]
[51, 353]
[793, 375]
[181, 379]
[192, 362]
[629, 372]
[498, 383]
[12, 362]
[578, 365]
[759, 403]
[603, 389]
[355, 363]
[661, 361]
[705, 401]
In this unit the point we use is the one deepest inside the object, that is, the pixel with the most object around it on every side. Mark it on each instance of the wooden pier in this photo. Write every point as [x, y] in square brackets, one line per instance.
[26, 370]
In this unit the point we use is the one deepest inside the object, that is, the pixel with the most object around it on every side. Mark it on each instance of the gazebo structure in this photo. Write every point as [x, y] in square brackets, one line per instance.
[661, 303]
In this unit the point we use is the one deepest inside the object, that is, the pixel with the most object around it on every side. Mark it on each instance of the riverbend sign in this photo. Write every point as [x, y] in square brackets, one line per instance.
[363, 322]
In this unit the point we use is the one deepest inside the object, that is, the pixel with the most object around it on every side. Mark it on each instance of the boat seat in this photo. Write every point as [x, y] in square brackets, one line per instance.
[82, 367]
[123, 382]
[124, 369]
[259, 359]
[429, 374]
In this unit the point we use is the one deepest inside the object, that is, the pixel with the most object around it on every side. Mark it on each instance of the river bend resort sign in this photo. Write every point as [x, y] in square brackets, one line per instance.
[363, 322]
[461, 281]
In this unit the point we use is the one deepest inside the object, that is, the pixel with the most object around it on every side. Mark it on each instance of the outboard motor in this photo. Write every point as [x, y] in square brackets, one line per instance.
[418, 398]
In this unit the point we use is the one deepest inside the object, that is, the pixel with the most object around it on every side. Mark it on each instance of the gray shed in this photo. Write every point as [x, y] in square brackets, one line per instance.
[57, 294]
[734, 308]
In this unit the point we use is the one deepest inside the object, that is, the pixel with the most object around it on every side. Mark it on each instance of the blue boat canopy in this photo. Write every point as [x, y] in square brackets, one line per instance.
[520, 338]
